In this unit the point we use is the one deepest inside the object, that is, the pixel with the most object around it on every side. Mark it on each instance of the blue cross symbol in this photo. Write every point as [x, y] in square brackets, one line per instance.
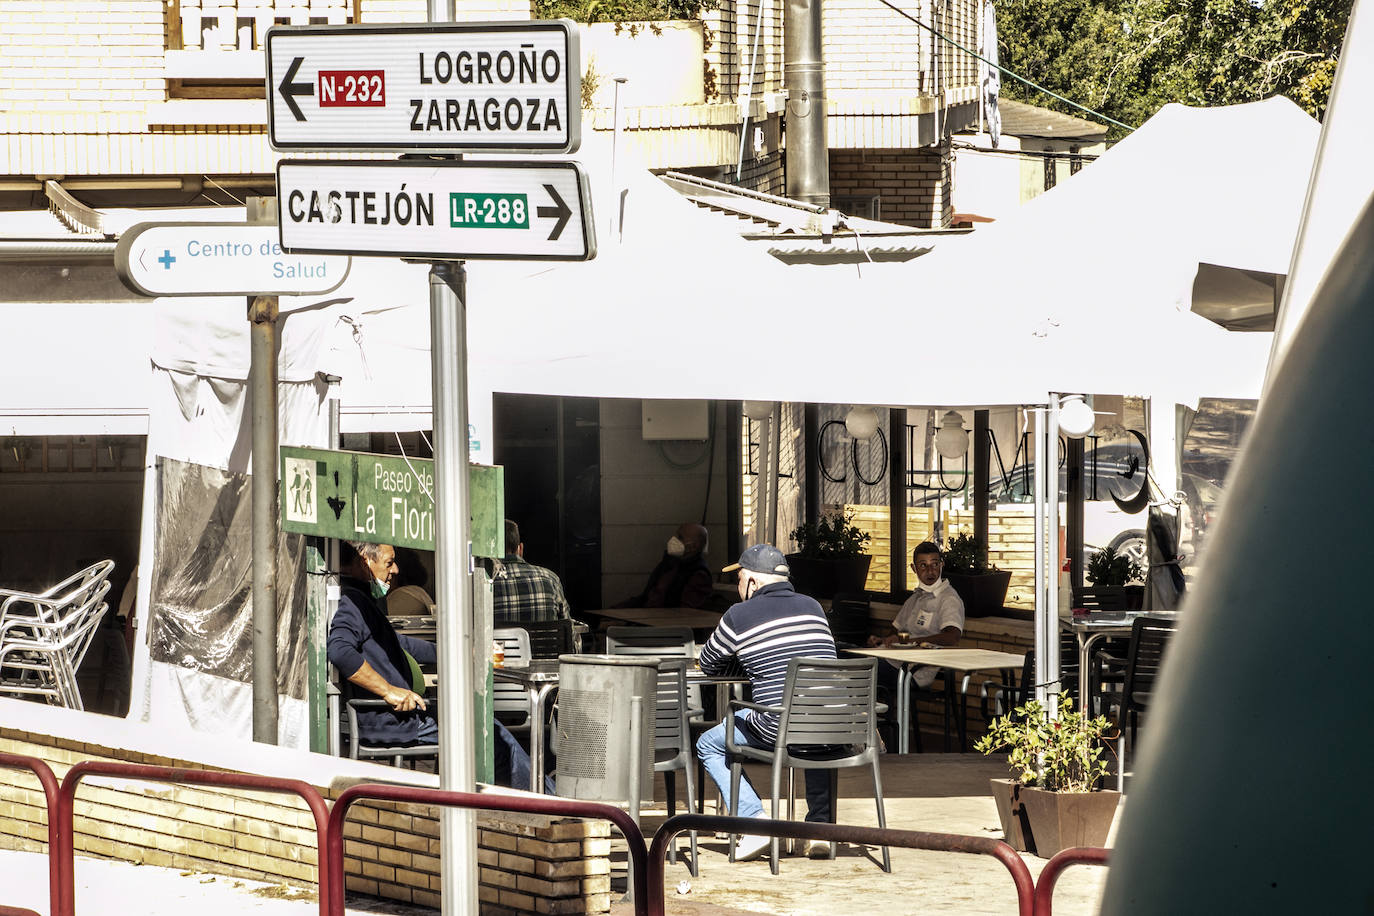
[166, 259]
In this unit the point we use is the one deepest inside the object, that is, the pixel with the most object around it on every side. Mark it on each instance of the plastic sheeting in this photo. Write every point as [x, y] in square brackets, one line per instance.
[200, 624]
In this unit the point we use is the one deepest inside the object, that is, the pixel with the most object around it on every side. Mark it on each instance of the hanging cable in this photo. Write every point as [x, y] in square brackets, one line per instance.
[1016, 76]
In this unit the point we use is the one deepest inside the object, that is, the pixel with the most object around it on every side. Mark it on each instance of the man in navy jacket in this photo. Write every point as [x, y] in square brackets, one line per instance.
[376, 660]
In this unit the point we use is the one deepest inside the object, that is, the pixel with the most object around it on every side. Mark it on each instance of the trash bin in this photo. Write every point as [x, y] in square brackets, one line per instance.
[596, 758]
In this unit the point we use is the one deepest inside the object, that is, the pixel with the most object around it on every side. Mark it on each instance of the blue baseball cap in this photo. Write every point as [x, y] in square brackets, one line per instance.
[762, 558]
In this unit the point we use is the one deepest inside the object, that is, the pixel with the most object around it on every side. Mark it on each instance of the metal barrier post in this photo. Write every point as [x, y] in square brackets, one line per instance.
[843, 833]
[528, 804]
[1077, 855]
[65, 905]
[48, 781]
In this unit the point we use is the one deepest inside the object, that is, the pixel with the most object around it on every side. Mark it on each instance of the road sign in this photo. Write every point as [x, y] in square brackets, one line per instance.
[220, 259]
[382, 499]
[497, 86]
[437, 209]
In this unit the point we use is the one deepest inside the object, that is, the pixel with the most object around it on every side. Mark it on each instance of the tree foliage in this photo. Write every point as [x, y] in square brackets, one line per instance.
[1129, 58]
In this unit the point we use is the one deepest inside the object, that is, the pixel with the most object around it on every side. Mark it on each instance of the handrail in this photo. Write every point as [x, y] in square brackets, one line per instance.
[1076, 855]
[48, 781]
[844, 833]
[65, 904]
[528, 804]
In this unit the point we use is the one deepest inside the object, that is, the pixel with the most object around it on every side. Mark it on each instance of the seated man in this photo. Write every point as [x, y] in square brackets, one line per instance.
[377, 660]
[932, 616]
[681, 578]
[771, 625]
[523, 592]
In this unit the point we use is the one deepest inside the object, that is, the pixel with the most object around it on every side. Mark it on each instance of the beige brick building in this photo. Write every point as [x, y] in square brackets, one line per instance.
[158, 102]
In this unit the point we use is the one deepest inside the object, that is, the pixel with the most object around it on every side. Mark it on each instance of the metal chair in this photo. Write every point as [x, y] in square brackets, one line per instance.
[511, 702]
[673, 743]
[44, 637]
[1150, 637]
[828, 721]
[397, 753]
[665, 642]
[549, 638]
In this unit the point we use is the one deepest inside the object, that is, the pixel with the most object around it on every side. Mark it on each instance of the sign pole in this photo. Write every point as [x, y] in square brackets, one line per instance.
[457, 772]
[262, 317]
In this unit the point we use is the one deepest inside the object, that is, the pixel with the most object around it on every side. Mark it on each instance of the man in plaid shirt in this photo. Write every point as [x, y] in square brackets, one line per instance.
[523, 592]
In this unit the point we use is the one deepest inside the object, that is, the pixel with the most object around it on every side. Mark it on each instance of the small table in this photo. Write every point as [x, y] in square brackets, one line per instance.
[695, 618]
[1092, 628]
[540, 678]
[951, 659]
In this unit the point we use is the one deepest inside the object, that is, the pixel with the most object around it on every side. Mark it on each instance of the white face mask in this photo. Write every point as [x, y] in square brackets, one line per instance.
[675, 546]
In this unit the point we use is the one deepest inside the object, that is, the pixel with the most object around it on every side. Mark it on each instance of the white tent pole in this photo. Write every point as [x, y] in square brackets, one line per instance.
[1047, 616]
[1042, 610]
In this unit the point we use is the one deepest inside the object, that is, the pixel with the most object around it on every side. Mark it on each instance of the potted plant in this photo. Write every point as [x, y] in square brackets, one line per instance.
[1113, 582]
[981, 586]
[830, 557]
[1056, 767]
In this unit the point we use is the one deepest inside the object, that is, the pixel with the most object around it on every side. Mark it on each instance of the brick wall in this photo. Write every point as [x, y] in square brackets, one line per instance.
[80, 55]
[914, 184]
[528, 863]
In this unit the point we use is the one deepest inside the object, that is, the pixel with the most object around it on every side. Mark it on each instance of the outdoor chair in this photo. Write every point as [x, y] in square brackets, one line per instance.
[549, 638]
[665, 642]
[511, 702]
[1150, 637]
[673, 743]
[396, 753]
[44, 636]
[850, 620]
[828, 721]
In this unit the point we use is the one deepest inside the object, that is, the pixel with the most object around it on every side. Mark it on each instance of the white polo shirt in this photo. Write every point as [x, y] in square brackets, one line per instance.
[927, 612]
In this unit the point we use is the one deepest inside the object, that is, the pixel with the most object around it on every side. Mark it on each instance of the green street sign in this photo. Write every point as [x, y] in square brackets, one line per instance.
[382, 499]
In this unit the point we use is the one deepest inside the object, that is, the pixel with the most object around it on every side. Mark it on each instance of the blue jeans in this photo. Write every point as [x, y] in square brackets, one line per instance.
[711, 751]
[511, 763]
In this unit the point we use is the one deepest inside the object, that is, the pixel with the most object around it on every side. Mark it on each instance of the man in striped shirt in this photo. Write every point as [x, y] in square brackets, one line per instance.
[771, 625]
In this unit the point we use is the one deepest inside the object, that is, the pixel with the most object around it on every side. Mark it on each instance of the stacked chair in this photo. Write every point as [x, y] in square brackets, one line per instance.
[44, 636]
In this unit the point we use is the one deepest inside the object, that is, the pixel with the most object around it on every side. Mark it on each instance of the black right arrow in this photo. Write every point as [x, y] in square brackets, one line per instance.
[558, 211]
[288, 88]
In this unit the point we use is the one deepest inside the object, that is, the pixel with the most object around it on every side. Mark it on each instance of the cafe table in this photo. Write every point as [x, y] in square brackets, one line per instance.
[950, 660]
[539, 677]
[695, 618]
[1090, 629]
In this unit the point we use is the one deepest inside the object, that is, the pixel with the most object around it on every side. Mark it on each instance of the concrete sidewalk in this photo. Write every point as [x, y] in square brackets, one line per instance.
[945, 793]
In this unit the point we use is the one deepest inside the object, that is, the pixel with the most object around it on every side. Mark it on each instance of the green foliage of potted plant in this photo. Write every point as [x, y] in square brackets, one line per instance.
[831, 556]
[1057, 766]
[981, 586]
[1113, 582]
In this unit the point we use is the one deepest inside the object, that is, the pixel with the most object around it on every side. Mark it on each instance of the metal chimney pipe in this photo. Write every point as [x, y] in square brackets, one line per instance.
[808, 160]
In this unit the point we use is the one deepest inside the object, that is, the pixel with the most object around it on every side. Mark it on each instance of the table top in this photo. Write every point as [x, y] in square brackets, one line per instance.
[536, 671]
[955, 657]
[1100, 621]
[662, 616]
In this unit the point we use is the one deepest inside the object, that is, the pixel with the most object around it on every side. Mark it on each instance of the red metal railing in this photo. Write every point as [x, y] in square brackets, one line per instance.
[531, 804]
[843, 833]
[48, 781]
[64, 850]
[1078, 855]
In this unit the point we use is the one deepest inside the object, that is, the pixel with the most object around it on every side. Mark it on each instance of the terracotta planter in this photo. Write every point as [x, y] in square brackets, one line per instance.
[1016, 828]
[983, 594]
[1062, 820]
[825, 577]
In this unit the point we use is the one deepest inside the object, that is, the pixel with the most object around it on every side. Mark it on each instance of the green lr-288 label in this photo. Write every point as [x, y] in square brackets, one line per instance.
[488, 211]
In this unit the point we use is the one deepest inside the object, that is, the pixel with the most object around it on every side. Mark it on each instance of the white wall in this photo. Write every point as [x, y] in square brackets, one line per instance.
[644, 498]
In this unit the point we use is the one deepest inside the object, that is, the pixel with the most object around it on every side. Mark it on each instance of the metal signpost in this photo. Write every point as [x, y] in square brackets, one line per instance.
[220, 259]
[446, 88]
[441, 86]
[437, 209]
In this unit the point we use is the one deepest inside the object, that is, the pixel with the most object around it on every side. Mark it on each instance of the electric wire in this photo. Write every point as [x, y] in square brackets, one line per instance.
[1016, 76]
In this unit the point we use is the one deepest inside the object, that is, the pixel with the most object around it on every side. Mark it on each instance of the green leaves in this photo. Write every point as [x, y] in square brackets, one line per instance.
[833, 535]
[965, 555]
[1108, 568]
[1129, 58]
[1063, 755]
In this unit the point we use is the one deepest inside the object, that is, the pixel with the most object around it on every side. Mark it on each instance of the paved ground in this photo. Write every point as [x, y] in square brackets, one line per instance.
[933, 792]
